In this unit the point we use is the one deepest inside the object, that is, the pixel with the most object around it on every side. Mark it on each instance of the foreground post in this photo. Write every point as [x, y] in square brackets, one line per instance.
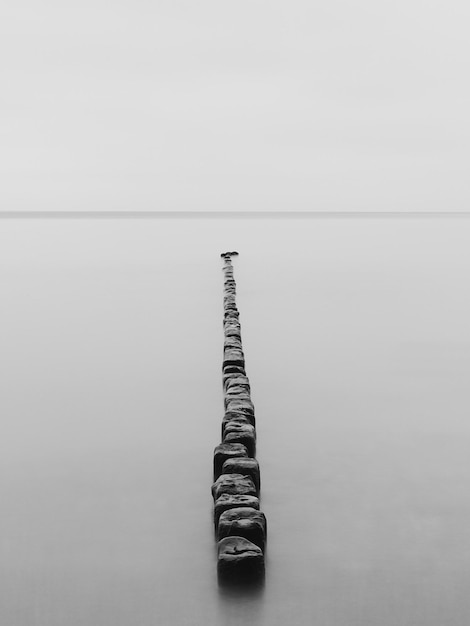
[239, 524]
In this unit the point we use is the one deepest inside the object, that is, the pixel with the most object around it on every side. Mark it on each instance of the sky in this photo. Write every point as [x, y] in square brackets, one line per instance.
[247, 106]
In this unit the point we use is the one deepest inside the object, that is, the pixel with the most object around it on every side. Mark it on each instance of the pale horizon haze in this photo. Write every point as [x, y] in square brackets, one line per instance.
[252, 106]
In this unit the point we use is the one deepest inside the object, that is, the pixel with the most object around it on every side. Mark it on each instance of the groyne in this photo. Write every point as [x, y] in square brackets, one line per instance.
[240, 526]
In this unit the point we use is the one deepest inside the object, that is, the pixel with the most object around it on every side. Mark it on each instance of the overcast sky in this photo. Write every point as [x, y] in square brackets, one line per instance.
[268, 106]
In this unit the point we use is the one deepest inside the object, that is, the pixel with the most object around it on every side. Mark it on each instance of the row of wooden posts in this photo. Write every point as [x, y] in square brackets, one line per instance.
[240, 526]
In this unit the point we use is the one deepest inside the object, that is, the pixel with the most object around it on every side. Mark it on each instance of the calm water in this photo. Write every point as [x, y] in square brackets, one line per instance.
[357, 340]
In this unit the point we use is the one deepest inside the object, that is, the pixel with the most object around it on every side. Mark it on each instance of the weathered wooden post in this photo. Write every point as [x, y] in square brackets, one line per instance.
[239, 524]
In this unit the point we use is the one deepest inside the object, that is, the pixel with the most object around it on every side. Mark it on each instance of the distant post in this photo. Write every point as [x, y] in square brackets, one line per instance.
[240, 526]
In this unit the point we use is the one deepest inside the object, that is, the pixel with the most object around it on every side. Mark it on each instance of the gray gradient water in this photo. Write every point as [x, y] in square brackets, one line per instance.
[357, 341]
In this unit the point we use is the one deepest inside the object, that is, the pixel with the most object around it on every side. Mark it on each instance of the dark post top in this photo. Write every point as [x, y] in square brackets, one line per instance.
[228, 254]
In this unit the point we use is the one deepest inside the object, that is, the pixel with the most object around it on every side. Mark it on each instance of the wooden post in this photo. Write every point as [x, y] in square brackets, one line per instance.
[240, 526]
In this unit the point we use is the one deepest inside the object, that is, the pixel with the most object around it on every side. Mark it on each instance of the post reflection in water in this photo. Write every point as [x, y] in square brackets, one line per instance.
[241, 603]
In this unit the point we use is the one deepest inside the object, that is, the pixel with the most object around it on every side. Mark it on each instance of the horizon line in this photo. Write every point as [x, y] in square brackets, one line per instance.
[128, 214]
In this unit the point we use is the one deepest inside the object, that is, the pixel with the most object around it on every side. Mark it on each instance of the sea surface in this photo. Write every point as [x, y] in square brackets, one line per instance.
[356, 332]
